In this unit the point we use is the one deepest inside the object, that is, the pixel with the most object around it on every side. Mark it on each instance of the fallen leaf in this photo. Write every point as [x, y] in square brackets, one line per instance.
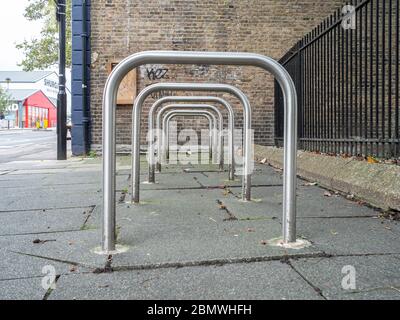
[327, 194]
[36, 241]
[334, 232]
[372, 160]
[310, 184]
[251, 230]
[263, 161]
[72, 269]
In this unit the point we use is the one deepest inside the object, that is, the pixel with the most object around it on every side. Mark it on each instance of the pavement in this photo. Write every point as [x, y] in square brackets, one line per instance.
[375, 181]
[27, 144]
[189, 238]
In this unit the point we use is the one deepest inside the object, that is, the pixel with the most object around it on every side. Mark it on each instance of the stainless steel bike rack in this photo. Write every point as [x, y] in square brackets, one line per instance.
[216, 135]
[188, 112]
[212, 120]
[247, 154]
[182, 57]
[231, 127]
[246, 182]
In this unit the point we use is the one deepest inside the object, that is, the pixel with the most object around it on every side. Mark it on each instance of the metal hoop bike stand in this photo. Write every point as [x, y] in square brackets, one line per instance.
[247, 154]
[246, 181]
[211, 58]
[187, 112]
[231, 127]
[212, 120]
[217, 135]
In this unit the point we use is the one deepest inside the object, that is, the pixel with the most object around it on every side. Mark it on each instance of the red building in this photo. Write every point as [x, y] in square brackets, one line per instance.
[38, 107]
[32, 106]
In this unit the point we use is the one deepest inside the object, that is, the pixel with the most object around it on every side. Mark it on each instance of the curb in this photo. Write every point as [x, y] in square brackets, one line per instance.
[376, 184]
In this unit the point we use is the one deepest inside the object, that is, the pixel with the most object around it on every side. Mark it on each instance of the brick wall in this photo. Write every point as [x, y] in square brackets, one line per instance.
[270, 27]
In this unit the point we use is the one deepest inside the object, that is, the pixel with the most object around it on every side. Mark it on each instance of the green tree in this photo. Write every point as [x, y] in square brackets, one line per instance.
[42, 52]
[4, 100]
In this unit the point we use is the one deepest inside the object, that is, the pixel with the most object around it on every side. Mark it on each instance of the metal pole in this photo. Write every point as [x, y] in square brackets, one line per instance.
[212, 120]
[62, 96]
[247, 143]
[212, 58]
[215, 134]
[231, 125]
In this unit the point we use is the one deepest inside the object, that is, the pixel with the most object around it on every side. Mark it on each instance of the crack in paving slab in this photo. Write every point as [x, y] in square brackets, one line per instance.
[198, 182]
[315, 288]
[89, 214]
[218, 262]
[225, 261]
[230, 215]
[77, 264]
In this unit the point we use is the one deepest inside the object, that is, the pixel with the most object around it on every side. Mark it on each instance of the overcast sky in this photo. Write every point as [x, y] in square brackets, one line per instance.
[14, 28]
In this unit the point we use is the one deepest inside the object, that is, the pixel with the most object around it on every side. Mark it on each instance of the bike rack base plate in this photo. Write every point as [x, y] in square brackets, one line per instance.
[299, 244]
[118, 249]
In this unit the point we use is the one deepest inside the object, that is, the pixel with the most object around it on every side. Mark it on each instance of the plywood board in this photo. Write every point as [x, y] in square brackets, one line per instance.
[128, 88]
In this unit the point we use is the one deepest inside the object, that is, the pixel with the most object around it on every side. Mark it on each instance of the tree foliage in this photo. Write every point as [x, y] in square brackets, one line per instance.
[4, 100]
[42, 52]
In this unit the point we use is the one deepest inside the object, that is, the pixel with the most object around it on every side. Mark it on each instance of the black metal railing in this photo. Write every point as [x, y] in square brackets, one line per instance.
[347, 83]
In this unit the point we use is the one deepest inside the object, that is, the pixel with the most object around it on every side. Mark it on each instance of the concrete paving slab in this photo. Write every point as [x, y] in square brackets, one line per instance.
[162, 205]
[58, 199]
[221, 178]
[376, 277]
[185, 220]
[171, 181]
[311, 202]
[268, 280]
[22, 289]
[189, 225]
[68, 247]
[351, 235]
[68, 182]
[17, 266]
[47, 221]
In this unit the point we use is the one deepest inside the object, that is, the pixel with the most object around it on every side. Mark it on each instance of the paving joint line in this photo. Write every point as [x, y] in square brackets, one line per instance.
[41, 209]
[89, 214]
[217, 262]
[50, 290]
[73, 263]
[36, 233]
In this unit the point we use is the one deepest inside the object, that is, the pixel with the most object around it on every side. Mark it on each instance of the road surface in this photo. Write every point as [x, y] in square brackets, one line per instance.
[22, 145]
